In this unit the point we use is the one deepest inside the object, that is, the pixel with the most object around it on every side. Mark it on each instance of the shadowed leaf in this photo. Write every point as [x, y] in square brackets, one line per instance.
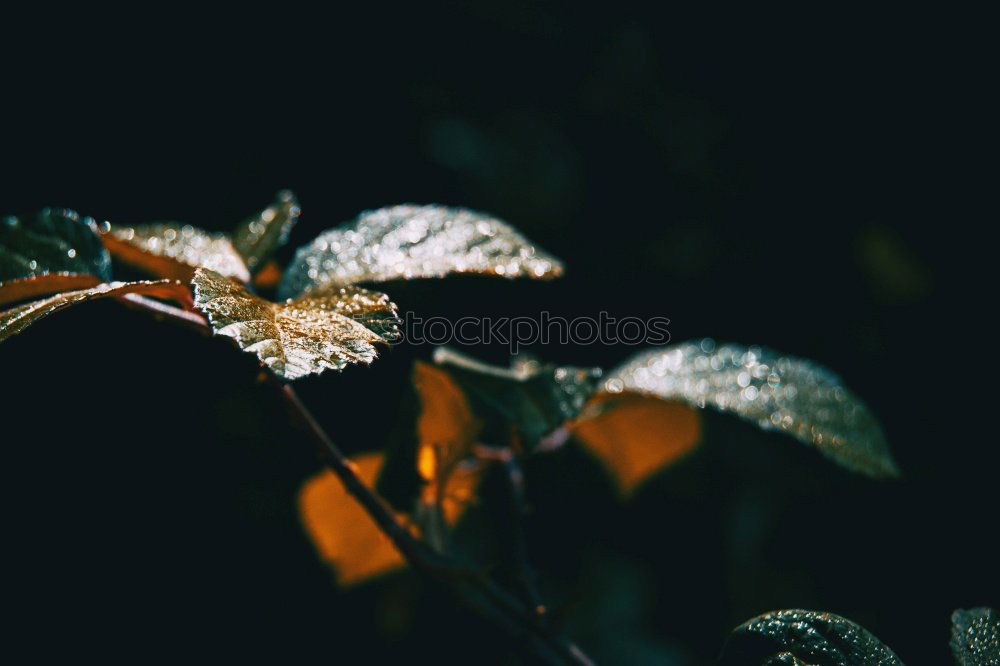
[260, 235]
[533, 398]
[16, 319]
[53, 251]
[769, 389]
[298, 337]
[975, 637]
[635, 436]
[344, 534]
[805, 637]
[409, 241]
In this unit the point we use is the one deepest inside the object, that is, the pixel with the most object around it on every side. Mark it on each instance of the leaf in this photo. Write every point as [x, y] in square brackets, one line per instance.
[810, 637]
[17, 319]
[409, 241]
[532, 397]
[446, 432]
[635, 436]
[298, 337]
[345, 536]
[52, 251]
[975, 637]
[260, 235]
[774, 391]
[175, 250]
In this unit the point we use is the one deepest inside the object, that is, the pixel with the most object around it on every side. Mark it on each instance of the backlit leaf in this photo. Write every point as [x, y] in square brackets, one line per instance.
[260, 235]
[805, 637]
[16, 319]
[345, 536]
[175, 250]
[635, 435]
[446, 432]
[769, 389]
[975, 637]
[53, 251]
[295, 338]
[409, 241]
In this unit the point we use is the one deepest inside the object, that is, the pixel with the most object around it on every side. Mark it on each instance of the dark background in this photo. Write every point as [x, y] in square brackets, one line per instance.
[775, 179]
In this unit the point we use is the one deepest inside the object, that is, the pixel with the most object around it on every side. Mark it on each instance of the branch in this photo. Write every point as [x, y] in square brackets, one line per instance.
[475, 589]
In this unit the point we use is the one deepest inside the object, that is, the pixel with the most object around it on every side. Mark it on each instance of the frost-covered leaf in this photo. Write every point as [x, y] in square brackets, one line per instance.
[810, 637]
[175, 249]
[53, 251]
[772, 390]
[260, 235]
[975, 637]
[635, 436]
[344, 534]
[409, 241]
[295, 338]
[16, 319]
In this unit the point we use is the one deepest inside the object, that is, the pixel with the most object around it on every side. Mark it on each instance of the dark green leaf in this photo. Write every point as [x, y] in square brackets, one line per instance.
[805, 637]
[534, 398]
[52, 251]
[261, 234]
[975, 637]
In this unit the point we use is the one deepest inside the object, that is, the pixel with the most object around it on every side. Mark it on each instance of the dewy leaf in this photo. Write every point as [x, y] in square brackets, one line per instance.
[975, 637]
[52, 251]
[307, 335]
[175, 250]
[409, 241]
[344, 534]
[260, 235]
[17, 319]
[635, 436]
[810, 637]
[767, 388]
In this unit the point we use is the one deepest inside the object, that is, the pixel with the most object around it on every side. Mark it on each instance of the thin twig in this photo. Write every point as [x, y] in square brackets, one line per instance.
[523, 571]
[475, 589]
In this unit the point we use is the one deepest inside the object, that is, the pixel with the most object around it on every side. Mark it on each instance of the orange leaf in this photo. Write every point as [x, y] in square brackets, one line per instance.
[446, 431]
[50, 283]
[343, 533]
[269, 276]
[16, 319]
[636, 435]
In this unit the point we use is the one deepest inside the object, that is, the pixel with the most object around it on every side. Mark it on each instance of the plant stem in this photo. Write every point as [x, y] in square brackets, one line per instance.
[475, 589]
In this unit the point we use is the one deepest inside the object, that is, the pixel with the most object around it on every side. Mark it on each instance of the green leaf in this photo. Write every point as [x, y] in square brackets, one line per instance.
[535, 398]
[805, 637]
[975, 637]
[409, 241]
[258, 236]
[52, 251]
[772, 390]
